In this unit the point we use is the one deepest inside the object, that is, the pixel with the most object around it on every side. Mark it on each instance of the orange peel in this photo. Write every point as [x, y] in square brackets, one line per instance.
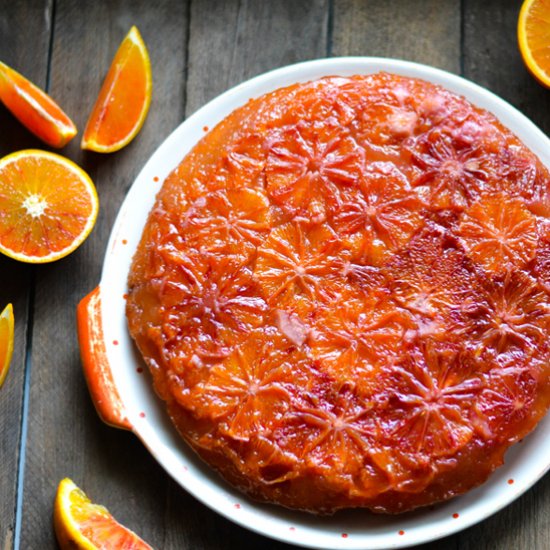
[35, 109]
[81, 524]
[124, 99]
[49, 206]
[6, 341]
[534, 38]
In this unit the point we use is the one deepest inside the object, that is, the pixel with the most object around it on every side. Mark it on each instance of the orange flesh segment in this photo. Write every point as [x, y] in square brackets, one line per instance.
[79, 523]
[98, 525]
[534, 38]
[36, 110]
[6, 341]
[124, 98]
[48, 206]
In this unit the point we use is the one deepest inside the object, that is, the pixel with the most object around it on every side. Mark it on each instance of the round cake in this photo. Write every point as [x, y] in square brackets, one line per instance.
[342, 295]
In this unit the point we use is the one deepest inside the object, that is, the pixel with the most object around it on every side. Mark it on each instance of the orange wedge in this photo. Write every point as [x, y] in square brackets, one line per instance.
[124, 98]
[48, 206]
[81, 524]
[6, 341]
[534, 38]
[35, 109]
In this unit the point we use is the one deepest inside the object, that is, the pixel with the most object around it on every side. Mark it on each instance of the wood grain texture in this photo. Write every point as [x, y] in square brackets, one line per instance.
[228, 42]
[426, 31]
[66, 437]
[492, 57]
[235, 40]
[24, 41]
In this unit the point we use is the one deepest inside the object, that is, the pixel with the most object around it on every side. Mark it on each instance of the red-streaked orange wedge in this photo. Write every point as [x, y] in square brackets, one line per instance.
[81, 524]
[35, 109]
[124, 98]
[48, 206]
[6, 341]
[534, 38]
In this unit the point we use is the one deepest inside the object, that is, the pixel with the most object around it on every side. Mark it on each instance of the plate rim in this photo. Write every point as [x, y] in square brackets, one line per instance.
[325, 67]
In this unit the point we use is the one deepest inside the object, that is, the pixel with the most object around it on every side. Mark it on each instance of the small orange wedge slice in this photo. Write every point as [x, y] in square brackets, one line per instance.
[48, 206]
[124, 98]
[6, 341]
[534, 38]
[35, 109]
[81, 524]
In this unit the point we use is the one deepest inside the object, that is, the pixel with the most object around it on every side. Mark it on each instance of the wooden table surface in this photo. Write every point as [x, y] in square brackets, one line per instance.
[199, 48]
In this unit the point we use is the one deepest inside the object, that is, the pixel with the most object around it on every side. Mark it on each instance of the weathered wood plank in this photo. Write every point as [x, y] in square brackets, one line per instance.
[426, 31]
[232, 41]
[492, 59]
[24, 41]
[66, 437]
[229, 41]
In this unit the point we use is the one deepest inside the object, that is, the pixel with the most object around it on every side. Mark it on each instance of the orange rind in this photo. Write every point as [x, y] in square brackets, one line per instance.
[49, 206]
[35, 109]
[124, 99]
[82, 525]
[6, 341]
[534, 38]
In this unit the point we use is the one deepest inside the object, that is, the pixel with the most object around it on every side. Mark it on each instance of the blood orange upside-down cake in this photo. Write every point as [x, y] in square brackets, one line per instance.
[342, 294]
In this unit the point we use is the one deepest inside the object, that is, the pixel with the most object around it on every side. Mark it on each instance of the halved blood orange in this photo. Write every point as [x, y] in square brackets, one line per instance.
[511, 313]
[294, 261]
[304, 169]
[35, 109]
[379, 216]
[499, 232]
[432, 390]
[247, 389]
[124, 99]
[234, 215]
[506, 403]
[430, 277]
[6, 341]
[534, 38]
[358, 336]
[48, 206]
[312, 302]
[81, 524]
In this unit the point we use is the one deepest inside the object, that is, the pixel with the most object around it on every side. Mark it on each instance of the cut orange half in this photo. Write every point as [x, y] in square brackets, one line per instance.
[534, 38]
[35, 109]
[81, 524]
[6, 341]
[124, 98]
[48, 206]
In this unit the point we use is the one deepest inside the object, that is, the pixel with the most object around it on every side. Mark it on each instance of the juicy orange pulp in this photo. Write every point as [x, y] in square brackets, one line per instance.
[124, 98]
[347, 312]
[48, 206]
[6, 341]
[81, 524]
[534, 38]
[36, 110]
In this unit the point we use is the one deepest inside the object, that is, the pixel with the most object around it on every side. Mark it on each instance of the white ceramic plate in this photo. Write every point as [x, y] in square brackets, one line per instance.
[117, 386]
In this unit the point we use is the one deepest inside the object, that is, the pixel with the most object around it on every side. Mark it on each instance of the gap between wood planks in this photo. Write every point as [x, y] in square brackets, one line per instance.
[330, 27]
[33, 271]
[28, 347]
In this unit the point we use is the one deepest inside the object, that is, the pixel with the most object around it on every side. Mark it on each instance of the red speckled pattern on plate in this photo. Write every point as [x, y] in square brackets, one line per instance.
[341, 295]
